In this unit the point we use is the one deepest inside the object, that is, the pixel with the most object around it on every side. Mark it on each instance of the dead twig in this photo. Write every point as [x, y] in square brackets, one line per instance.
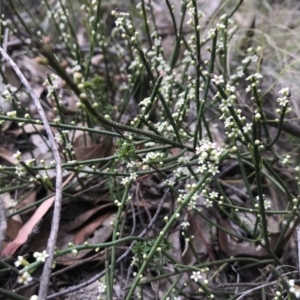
[298, 243]
[58, 188]
[3, 223]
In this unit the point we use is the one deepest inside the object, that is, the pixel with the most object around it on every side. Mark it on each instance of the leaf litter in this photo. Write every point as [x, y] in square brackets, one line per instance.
[94, 224]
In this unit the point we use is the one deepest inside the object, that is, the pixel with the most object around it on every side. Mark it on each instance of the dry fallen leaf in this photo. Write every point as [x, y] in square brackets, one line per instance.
[202, 242]
[233, 248]
[29, 225]
[87, 230]
[84, 217]
[93, 151]
[27, 128]
[13, 227]
[7, 155]
[100, 235]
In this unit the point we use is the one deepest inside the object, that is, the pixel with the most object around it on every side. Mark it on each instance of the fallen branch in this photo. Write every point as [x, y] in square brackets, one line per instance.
[58, 188]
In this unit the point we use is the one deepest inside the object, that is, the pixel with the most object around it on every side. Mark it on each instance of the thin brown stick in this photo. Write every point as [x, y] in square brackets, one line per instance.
[3, 223]
[298, 244]
[58, 189]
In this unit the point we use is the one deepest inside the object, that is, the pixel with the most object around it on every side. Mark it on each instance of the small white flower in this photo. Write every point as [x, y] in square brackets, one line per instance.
[285, 92]
[58, 137]
[196, 276]
[25, 278]
[192, 204]
[294, 289]
[20, 171]
[267, 204]
[283, 101]
[247, 128]
[183, 159]
[69, 146]
[133, 176]
[29, 162]
[102, 288]
[208, 203]
[12, 114]
[291, 283]
[213, 169]
[169, 182]
[41, 256]
[218, 79]
[17, 155]
[201, 169]
[20, 262]
[34, 297]
[184, 225]
[134, 261]
[125, 180]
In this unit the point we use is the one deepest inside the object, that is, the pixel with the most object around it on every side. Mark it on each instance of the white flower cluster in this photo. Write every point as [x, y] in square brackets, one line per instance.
[153, 157]
[20, 170]
[25, 276]
[50, 85]
[181, 171]
[124, 25]
[156, 55]
[209, 155]
[286, 160]
[253, 56]
[193, 201]
[40, 256]
[267, 203]
[101, 289]
[210, 197]
[192, 13]
[127, 180]
[254, 80]
[284, 100]
[3, 21]
[294, 289]
[232, 129]
[8, 93]
[61, 15]
[164, 127]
